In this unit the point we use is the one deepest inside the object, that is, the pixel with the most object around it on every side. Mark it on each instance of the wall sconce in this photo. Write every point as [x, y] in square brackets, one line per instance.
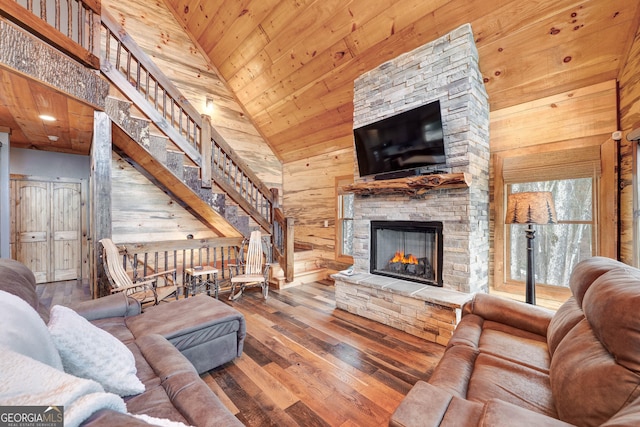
[530, 208]
[208, 106]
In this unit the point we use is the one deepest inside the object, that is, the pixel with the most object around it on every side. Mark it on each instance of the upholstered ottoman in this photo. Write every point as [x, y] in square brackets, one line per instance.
[206, 331]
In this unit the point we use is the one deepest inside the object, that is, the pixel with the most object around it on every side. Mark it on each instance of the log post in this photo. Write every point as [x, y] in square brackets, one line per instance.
[205, 152]
[101, 199]
[289, 249]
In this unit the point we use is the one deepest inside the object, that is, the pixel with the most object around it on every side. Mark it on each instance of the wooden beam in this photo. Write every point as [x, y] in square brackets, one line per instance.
[413, 186]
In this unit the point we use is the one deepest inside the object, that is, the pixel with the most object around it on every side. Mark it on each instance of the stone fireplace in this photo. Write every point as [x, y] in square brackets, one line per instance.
[445, 70]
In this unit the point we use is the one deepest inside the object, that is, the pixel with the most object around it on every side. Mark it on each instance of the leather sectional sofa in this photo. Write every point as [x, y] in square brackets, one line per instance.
[513, 364]
[163, 341]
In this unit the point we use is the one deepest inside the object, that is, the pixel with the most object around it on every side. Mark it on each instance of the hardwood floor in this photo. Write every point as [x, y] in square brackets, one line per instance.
[306, 363]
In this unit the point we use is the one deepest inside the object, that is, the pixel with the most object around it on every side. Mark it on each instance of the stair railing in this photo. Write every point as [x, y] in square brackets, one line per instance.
[72, 27]
[129, 68]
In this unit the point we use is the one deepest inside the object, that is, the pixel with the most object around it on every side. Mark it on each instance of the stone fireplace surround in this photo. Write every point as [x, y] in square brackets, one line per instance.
[445, 69]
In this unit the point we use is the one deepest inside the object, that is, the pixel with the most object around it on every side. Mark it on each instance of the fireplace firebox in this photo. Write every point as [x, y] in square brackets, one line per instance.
[407, 250]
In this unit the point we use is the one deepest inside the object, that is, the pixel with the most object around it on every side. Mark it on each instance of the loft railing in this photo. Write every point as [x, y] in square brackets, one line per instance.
[127, 66]
[72, 26]
[142, 259]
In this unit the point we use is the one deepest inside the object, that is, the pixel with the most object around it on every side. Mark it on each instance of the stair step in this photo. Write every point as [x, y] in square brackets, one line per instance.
[175, 163]
[301, 278]
[158, 148]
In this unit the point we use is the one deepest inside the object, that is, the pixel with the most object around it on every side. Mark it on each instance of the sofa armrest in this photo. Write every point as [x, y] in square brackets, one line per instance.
[429, 406]
[500, 413]
[117, 305]
[509, 312]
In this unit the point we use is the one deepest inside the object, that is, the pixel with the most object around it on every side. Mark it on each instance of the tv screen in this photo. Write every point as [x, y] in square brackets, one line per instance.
[406, 141]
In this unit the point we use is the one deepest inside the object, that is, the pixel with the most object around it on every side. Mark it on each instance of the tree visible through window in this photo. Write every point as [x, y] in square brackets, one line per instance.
[558, 247]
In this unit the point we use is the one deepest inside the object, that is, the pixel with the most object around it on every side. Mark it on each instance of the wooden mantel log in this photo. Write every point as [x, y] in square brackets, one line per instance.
[412, 186]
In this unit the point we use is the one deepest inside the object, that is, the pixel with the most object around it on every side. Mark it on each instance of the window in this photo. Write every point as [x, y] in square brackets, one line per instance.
[344, 221]
[558, 247]
[583, 181]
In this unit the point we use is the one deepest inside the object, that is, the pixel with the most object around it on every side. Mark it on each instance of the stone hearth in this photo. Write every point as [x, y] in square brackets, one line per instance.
[445, 70]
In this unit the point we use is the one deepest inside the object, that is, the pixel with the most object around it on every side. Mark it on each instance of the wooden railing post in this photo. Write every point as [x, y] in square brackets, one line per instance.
[289, 249]
[205, 151]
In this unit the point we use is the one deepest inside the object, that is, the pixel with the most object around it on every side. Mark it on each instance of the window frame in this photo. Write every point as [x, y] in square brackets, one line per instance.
[606, 241]
[340, 182]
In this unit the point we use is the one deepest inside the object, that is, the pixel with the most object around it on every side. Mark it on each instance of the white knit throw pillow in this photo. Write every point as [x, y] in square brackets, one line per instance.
[90, 352]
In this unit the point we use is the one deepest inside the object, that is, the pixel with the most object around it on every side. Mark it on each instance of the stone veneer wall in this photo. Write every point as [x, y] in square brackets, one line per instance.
[446, 70]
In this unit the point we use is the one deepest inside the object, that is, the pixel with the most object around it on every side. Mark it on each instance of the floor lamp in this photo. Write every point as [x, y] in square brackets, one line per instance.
[530, 208]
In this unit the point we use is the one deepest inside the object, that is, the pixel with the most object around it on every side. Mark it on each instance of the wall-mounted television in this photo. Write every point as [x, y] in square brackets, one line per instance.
[407, 141]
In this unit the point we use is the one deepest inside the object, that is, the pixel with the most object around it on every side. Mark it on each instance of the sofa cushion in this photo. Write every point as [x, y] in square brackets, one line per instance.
[586, 272]
[568, 315]
[497, 378]
[588, 384]
[617, 291]
[501, 340]
[90, 352]
[24, 331]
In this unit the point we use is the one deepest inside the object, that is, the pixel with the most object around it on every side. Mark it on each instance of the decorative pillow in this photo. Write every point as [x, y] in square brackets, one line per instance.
[90, 352]
[23, 331]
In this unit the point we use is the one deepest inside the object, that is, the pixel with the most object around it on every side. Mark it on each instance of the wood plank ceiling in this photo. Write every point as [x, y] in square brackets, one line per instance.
[291, 64]
[23, 100]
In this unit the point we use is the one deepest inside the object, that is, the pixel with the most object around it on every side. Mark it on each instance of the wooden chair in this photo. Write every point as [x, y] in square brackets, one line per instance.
[145, 289]
[251, 270]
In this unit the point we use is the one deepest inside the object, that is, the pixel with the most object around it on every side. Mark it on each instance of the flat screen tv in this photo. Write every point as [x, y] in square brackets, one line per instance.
[405, 142]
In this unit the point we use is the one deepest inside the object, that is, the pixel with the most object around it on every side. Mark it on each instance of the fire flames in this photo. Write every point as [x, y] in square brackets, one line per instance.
[405, 259]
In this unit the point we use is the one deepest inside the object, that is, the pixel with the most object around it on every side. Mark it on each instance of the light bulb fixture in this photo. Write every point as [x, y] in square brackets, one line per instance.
[47, 118]
[208, 105]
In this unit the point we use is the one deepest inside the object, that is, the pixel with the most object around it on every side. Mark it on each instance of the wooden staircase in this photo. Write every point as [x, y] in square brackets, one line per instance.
[305, 270]
[187, 157]
[159, 160]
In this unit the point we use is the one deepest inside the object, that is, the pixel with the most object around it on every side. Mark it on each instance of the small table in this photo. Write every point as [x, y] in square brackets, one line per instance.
[199, 276]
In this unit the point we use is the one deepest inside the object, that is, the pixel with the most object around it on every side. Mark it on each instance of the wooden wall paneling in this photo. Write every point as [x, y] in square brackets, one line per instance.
[310, 198]
[629, 120]
[570, 115]
[608, 207]
[144, 213]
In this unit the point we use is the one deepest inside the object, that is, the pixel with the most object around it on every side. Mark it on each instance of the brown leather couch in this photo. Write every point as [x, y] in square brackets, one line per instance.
[513, 364]
[173, 387]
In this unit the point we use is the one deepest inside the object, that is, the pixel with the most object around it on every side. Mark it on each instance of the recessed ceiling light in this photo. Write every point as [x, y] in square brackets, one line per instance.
[47, 118]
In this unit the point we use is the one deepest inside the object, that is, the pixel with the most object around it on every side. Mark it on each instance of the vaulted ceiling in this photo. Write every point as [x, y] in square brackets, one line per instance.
[291, 63]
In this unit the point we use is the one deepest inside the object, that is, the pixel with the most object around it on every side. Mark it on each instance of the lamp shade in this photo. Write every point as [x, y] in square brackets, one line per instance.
[531, 208]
